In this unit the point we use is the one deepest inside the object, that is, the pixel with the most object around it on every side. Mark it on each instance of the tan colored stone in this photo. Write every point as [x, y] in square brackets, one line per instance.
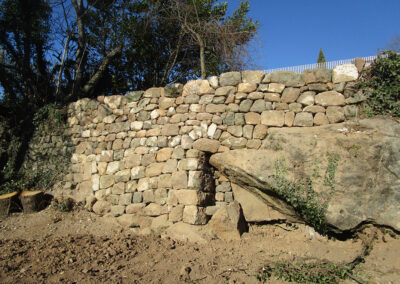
[179, 180]
[335, 114]
[314, 109]
[194, 215]
[252, 76]
[164, 154]
[273, 118]
[289, 118]
[260, 131]
[170, 130]
[246, 87]
[154, 169]
[275, 88]
[290, 95]
[206, 145]
[252, 118]
[330, 98]
[272, 97]
[320, 119]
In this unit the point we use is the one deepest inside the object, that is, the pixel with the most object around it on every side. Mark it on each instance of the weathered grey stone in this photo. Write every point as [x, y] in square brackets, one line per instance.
[273, 118]
[106, 181]
[319, 75]
[117, 210]
[230, 79]
[134, 96]
[223, 187]
[239, 119]
[344, 73]
[235, 130]
[335, 114]
[137, 172]
[258, 106]
[245, 105]
[191, 99]
[248, 131]
[228, 222]
[137, 197]
[288, 78]
[356, 98]
[330, 98]
[229, 118]
[303, 119]
[253, 77]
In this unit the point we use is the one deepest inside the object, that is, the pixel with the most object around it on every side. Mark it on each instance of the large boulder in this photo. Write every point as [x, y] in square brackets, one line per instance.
[354, 166]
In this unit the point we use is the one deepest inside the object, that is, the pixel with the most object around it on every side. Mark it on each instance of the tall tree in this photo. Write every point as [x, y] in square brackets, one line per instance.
[216, 35]
[25, 76]
[321, 57]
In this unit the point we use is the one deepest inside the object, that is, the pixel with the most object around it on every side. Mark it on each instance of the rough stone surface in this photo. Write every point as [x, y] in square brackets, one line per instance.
[230, 79]
[330, 98]
[366, 187]
[344, 73]
[252, 77]
[303, 119]
[317, 75]
[206, 145]
[273, 118]
[227, 223]
[185, 233]
[288, 78]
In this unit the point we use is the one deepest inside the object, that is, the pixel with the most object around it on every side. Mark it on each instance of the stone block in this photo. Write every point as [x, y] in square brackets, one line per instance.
[206, 145]
[148, 196]
[303, 119]
[245, 105]
[330, 98]
[253, 77]
[273, 118]
[194, 215]
[154, 169]
[290, 95]
[320, 119]
[176, 213]
[137, 172]
[170, 130]
[275, 88]
[248, 131]
[289, 118]
[137, 198]
[288, 78]
[272, 97]
[335, 114]
[317, 76]
[344, 73]
[235, 130]
[230, 79]
[260, 131]
[246, 87]
[179, 180]
[155, 210]
[252, 118]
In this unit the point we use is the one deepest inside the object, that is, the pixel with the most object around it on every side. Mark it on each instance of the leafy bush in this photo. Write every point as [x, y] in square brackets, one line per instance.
[382, 84]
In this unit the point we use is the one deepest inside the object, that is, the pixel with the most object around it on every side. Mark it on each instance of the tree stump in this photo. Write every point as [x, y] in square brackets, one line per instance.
[8, 202]
[32, 201]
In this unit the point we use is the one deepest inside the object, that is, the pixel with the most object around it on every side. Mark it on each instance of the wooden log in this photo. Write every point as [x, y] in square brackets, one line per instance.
[8, 202]
[32, 201]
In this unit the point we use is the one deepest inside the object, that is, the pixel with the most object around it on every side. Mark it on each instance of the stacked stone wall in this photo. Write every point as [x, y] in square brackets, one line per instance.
[143, 157]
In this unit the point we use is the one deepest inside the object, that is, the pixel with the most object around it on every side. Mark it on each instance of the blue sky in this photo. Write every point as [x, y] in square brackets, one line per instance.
[291, 32]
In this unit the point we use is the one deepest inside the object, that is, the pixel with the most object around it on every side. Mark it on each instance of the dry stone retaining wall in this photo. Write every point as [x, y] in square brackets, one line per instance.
[144, 156]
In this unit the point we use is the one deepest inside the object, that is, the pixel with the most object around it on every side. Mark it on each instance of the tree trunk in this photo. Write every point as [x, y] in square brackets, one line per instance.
[32, 201]
[202, 59]
[8, 202]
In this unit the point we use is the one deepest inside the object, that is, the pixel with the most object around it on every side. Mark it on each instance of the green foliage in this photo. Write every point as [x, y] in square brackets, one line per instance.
[321, 56]
[310, 205]
[382, 84]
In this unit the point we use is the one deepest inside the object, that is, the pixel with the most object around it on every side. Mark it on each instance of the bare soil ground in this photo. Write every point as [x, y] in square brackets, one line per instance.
[80, 247]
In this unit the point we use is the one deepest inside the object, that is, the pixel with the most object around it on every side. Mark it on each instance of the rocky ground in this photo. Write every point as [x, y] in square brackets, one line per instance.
[80, 247]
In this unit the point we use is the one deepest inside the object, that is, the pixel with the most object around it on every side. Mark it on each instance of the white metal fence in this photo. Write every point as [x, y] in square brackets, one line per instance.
[326, 65]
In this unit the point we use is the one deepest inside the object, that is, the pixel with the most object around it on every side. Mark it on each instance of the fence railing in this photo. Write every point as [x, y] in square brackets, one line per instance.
[326, 65]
